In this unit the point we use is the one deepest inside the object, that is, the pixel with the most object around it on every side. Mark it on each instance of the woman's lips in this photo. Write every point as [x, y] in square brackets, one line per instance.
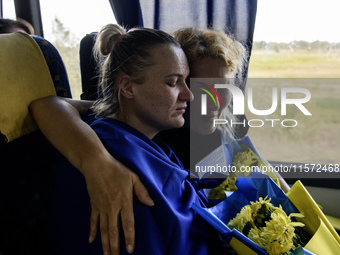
[181, 109]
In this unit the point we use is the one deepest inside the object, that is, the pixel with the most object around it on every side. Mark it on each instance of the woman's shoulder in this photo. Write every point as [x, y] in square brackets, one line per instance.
[113, 129]
[120, 138]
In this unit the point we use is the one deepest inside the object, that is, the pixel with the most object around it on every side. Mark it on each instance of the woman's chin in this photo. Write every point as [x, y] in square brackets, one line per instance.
[204, 129]
[178, 123]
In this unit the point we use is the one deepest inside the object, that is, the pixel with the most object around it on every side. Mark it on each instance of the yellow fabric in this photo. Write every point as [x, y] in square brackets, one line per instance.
[325, 239]
[240, 248]
[24, 77]
[334, 221]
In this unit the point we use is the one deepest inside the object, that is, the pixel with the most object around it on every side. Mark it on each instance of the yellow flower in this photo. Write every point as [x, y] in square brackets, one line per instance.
[261, 210]
[255, 235]
[270, 226]
[218, 192]
[242, 218]
[245, 158]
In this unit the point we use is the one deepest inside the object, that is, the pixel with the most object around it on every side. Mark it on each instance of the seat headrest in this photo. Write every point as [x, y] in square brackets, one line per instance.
[24, 77]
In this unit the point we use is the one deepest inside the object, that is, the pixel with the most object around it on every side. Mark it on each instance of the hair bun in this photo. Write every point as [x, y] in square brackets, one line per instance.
[108, 36]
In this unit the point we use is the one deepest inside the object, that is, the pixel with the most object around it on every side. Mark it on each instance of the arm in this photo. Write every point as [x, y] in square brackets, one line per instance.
[109, 183]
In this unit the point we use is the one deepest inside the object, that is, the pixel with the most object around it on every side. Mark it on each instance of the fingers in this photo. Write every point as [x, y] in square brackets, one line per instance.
[128, 224]
[114, 234]
[142, 193]
[110, 235]
[111, 195]
[104, 234]
[93, 225]
[109, 229]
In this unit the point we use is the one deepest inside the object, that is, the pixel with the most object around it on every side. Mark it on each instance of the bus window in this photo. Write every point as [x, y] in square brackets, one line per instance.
[64, 29]
[8, 9]
[296, 45]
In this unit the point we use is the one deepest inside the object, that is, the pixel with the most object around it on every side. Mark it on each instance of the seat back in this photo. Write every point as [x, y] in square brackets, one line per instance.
[56, 67]
[26, 184]
[89, 78]
[27, 175]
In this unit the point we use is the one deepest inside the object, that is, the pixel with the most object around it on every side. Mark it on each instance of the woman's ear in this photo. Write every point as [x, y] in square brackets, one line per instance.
[126, 86]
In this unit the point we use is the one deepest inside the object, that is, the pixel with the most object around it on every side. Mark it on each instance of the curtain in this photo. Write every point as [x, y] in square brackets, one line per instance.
[233, 16]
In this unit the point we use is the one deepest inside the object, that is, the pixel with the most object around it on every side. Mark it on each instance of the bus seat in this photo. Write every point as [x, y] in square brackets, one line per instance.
[56, 67]
[89, 78]
[27, 162]
[24, 78]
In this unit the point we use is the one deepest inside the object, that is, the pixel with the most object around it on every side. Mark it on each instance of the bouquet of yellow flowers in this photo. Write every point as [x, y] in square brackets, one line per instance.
[259, 218]
[268, 226]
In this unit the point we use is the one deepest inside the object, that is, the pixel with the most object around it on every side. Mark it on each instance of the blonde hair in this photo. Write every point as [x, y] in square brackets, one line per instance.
[198, 44]
[119, 52]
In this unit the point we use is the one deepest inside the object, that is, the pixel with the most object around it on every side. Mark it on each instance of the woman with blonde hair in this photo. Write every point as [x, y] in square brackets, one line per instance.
[214, 57]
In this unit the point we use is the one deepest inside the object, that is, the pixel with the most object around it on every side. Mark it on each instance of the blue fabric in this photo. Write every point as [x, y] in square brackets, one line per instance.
[56, 67]
[128, 13]
[169, 227]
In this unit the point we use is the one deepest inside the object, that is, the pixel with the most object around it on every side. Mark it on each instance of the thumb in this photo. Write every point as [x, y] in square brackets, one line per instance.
[142, 193]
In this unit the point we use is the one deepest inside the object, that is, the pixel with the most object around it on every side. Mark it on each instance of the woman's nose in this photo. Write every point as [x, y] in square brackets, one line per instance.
[186, 94]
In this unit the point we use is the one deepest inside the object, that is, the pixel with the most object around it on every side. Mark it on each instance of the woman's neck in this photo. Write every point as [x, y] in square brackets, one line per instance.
[136, 123]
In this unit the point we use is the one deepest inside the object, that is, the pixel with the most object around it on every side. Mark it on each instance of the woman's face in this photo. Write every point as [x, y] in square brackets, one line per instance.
[214, 70]
[161, 100]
